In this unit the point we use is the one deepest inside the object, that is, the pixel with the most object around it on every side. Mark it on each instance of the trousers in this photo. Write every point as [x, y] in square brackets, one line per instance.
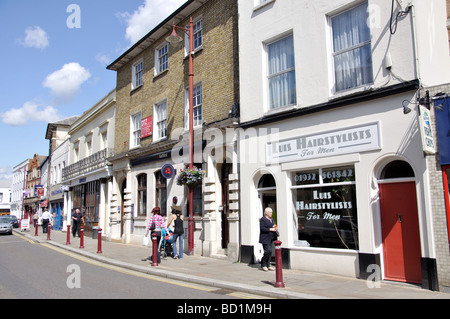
[265, 260]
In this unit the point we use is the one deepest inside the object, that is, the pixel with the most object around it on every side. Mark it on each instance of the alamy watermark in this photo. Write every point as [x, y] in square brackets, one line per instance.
[374, 279]
[74, 279]
[74, 19]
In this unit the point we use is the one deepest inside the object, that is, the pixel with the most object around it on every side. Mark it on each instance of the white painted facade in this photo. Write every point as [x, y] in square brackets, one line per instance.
[17, 188]
[91, 142]
[415, 55]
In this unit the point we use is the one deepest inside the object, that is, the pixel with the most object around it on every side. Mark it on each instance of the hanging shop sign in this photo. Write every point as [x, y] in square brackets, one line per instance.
[426, 131]
[338, 142]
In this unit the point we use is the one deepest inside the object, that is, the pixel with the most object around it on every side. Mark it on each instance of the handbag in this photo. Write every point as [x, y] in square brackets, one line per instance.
[152, 226]
[145, 241]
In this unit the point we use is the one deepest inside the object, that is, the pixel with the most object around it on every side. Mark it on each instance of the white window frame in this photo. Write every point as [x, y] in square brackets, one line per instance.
[198, 120]
[76, 151]
[135, 130]
[267, 44]
[333, 85]
[196, 32]
[160, 122]
[161, 58]
[136, 70]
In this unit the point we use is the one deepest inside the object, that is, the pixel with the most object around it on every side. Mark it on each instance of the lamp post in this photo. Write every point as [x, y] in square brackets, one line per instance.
[174, 38]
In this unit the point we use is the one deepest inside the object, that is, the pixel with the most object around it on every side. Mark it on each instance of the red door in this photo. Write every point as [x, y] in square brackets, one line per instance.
[400, 231]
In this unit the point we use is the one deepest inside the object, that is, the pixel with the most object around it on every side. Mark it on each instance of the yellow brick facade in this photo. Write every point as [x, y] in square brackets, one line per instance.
[215, 67]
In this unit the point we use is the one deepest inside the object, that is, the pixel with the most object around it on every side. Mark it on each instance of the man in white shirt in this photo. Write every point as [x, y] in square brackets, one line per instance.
[46, 219]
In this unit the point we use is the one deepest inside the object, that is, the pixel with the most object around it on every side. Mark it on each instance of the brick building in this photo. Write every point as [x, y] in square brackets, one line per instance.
[152, 127]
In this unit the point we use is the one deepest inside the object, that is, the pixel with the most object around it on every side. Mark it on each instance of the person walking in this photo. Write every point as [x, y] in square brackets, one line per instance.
[155, 225]
[46, 220]
[178, 232]
[77, 218]
[35, 219]
[267, 235]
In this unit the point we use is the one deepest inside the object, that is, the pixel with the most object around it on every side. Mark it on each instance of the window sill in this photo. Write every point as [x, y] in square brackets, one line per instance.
[280, 110]
[163, 139]
[262, 5]
[136, 89]
[352, 91]
[160, 74]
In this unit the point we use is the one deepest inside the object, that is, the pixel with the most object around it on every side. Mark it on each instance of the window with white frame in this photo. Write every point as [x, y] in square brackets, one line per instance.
[104, 139]
[198, 36]
[89, 145]
[161, 58]
[352, 54]
[197, 107]
[135, 130]
[137, 74]
[161, 120]
[281, 73]
[76, 152]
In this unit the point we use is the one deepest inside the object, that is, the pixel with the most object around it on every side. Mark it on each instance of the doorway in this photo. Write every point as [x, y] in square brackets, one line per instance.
[400, 224]
[267, 193]
[122, 207]
[226, 169]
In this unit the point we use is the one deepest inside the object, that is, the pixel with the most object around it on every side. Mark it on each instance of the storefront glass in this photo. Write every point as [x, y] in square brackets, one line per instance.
[325, 206]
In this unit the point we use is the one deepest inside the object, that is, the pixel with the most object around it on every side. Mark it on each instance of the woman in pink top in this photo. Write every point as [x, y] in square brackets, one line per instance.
[159, 224]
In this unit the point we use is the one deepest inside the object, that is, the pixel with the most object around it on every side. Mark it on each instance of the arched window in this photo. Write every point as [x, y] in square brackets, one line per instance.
[161, 192]
[142, 195]
[266, 181]
[397, 169]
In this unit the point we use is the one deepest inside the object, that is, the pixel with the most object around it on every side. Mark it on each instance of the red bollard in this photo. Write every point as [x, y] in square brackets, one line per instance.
[155, 250]
[49, 227]
[99, 246]
[279, 266]
[82, 237]
[36, 226]
[68, 235]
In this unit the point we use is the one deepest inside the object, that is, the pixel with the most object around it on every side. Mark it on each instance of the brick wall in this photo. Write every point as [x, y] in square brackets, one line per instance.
[215, 66]
[441, 235]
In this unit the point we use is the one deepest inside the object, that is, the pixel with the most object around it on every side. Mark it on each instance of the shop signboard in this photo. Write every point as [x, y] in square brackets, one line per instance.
[354, 139]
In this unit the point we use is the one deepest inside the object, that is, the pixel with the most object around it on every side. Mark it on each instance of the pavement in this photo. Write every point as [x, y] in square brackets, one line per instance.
[237, 277]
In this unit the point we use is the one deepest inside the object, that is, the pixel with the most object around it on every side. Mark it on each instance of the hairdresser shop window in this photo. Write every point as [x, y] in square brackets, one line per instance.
[325, 206]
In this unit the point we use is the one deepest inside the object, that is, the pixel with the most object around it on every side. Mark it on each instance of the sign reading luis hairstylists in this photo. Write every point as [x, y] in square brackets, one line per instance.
[355, 139]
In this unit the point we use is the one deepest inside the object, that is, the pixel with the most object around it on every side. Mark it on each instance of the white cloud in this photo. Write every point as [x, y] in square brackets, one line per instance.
[30, 111]
[35, 37]
[66, 82]
[104, 59]
[6, 173]
[148, 16]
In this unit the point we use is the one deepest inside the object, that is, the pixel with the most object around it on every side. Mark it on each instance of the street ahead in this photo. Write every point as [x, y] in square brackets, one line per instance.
[30, 270]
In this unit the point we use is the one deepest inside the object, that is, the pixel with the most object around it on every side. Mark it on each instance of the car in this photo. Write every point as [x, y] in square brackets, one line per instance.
[5, 225]
[13, 220]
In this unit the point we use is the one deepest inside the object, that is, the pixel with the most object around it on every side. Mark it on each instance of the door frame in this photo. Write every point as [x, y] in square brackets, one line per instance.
[383, 259]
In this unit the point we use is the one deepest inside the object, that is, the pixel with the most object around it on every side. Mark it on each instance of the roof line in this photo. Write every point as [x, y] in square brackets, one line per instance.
[159, 26]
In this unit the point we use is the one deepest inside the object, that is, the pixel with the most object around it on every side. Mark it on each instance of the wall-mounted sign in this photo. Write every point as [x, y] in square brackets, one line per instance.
[349, 140]
[168, 171]
[426, 131]
[147, 127]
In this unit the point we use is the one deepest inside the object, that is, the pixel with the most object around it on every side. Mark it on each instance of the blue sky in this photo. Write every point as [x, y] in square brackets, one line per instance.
[53, 59]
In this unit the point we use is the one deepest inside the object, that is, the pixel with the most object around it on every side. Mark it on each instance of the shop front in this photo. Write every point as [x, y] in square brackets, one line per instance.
[349, 187]
[57, 206]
